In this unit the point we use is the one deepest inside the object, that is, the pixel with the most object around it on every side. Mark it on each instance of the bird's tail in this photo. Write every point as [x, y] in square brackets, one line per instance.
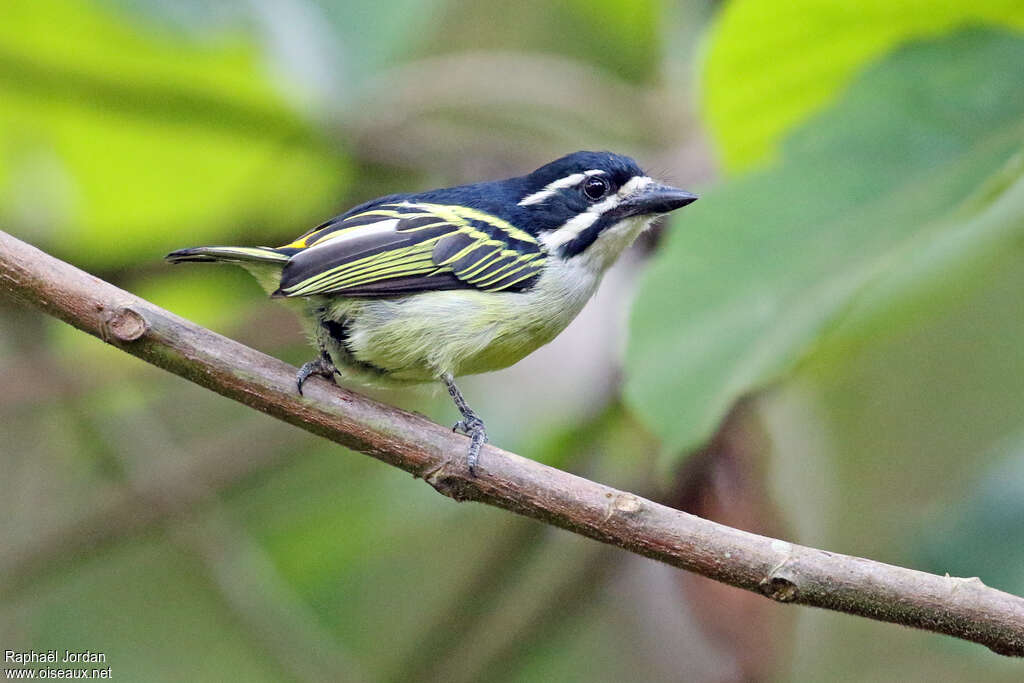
[263, 263]
[229, 254]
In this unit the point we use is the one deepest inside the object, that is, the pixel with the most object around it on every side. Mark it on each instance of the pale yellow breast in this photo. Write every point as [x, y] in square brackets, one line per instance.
[418, 337]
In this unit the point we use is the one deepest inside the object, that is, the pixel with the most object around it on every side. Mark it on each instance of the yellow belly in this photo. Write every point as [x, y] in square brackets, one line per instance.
[421, 336]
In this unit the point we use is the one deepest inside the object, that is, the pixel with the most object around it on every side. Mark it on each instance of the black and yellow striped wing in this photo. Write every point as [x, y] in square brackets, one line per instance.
[408, 246]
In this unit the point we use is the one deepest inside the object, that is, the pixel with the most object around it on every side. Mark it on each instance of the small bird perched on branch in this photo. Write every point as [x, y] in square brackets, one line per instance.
[423, 287]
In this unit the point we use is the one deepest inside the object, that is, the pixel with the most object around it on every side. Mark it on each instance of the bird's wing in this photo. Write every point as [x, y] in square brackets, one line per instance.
[408, 246]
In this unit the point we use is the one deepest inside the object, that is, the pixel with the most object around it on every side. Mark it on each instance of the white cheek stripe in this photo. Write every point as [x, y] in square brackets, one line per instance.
[553, 187]
[379, 227]
[580, 222]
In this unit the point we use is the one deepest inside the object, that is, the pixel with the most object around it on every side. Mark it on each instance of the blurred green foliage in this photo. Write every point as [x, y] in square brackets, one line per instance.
[790, 261]
[983, 536]
[116, 142]
[621, 37]
[772, 65]
[868, 274]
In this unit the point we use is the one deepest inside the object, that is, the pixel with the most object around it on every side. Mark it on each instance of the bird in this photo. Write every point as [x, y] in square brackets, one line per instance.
[430, 286]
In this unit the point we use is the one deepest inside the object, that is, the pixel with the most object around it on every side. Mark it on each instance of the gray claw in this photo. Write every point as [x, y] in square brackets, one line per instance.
[322, 367]
[474, 428]
[470, 425]
[478, 437]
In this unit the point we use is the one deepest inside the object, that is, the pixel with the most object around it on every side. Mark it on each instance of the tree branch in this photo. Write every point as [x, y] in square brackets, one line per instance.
[964, 608]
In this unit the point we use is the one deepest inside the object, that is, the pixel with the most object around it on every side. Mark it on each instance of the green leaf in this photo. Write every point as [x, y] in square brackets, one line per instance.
[119, 141]
[772, 65]
[855, 222]
[944, 263]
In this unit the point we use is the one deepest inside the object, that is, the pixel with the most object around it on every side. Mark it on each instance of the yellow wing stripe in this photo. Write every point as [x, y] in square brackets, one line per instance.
[367, 261]
[369, 269]
[454, 214]
[348, 280]
[495, 276]
[460, 215]
[372, 261]
[516, 281]
[484, 262]
[496, 264]
[338, 228]
[425, 226]
[482, 240]
[377, 267]
[511, 269]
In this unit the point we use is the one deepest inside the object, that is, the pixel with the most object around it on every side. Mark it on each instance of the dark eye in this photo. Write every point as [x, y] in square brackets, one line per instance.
[595, 187]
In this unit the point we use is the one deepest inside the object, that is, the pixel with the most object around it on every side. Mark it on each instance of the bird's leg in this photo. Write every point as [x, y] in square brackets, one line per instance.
[322, 365]
[471, 425]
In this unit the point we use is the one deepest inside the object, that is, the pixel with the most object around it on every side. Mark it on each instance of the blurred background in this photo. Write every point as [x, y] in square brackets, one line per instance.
[827, 347]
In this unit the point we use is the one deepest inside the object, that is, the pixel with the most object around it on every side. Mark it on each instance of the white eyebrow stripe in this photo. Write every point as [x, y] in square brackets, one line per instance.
[553, 187]
[580, 222]
[635, 184]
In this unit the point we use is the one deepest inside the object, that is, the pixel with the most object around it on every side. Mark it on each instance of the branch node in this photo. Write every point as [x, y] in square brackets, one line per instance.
[776, 584]
[778, 588]
[959, 581]
[448, 481]
[624, 504]
[125, 325]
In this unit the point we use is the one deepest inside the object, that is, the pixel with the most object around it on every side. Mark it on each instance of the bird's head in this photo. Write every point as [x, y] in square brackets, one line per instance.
[593, 204]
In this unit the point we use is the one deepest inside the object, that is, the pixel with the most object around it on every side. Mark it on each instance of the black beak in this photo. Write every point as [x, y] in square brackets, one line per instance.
[655, 198]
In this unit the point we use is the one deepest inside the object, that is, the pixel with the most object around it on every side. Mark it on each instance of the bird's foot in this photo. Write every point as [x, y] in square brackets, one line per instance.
[321, 366]
[470, 424]
[473, 427]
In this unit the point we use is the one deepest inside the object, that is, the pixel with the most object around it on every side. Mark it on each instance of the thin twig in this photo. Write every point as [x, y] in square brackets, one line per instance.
[964, 608]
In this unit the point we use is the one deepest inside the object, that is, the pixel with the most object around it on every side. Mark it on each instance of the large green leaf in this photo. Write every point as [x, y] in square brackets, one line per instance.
[860, 216]
[119, 141]
[771, 65]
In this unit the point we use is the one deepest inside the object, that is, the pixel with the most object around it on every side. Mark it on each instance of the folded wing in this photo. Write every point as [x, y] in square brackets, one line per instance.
[406, 247]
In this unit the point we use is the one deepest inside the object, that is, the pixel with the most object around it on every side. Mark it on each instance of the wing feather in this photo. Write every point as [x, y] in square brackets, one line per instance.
[407, 247]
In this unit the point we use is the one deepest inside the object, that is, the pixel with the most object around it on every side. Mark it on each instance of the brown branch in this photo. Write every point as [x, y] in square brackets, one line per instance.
[964, 608]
